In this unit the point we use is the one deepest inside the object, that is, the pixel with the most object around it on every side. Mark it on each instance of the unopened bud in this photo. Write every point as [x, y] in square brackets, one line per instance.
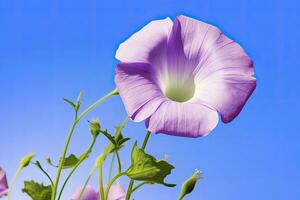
[95, 127]
[26, 160]
[189, 185]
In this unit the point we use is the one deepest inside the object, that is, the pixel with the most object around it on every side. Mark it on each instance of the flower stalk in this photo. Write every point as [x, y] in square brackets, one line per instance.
[23, 163]
[76, 120]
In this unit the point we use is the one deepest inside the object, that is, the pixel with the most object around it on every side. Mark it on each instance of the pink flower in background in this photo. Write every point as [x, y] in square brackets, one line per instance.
[3, 183]
[116, 192]
[88, 194]
[179, 75]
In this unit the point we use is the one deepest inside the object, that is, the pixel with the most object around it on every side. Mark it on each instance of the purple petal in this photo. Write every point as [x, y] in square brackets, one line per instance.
[139, 92]
[116, 192]
[89, 194]
[139, 46]
[3, 183]
[183, 119]
[179, 66]
[223, 75]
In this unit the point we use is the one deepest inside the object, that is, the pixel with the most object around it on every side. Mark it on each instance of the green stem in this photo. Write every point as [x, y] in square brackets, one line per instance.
[87, 181]
[138, 186]
[38, 165]
[14, 182]
[62, 159]
[181, 197]
[85, 155]
[117, 135]
[101, 188]
[119, 162]
[111, 182]
[112, 93]
[129, 190]
[105, 154]
[146, 140]
[96, 166]
[111, 166]
[77, 119]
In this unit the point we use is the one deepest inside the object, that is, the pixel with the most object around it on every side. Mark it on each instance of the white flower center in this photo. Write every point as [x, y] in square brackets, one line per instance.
[180, 91]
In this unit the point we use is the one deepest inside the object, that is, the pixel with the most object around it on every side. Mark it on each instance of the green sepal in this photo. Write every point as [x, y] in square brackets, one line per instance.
[37, 191]
[145, 167]
[95, 127]
[78, 104]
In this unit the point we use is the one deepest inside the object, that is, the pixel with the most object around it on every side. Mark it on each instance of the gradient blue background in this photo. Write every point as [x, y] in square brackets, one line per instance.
[54, 49]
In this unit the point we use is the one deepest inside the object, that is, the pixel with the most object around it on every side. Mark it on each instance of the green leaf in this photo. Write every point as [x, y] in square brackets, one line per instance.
[37, 191]
[70, 102]
[69, 161]
[122, 141]
[119, 141]
[109, 137]
[48, 159]
[145, 167]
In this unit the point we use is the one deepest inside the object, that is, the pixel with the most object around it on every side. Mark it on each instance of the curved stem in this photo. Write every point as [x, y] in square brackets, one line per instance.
[87, 181]
[85, 155]
[119, 161]
[111, 182]
[14, 182]
[138, 186]
[38, 165]
[77, 119]
[129, 190]
[86, 111]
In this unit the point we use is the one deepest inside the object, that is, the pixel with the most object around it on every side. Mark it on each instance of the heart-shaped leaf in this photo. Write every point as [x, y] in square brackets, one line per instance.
[145, 167]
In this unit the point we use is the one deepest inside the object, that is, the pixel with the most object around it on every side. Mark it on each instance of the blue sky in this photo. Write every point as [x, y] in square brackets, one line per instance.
[53, 49]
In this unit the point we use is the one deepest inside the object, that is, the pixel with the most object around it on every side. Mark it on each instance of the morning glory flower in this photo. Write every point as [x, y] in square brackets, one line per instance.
[3, 183]
[179, 76]
[116, 192]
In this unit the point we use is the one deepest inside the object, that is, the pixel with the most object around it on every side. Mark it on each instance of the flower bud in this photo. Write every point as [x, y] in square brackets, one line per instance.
[189, 185]
[95, 127]
[26, 160]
